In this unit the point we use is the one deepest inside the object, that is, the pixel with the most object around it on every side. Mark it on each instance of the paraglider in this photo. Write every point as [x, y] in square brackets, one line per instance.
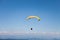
[31, 17]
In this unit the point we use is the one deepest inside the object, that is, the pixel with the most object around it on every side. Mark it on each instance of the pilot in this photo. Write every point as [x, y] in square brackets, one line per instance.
[31, 28]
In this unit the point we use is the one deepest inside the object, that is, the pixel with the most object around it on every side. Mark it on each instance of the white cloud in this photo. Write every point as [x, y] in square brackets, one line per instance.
[42, 33]
[33, 34]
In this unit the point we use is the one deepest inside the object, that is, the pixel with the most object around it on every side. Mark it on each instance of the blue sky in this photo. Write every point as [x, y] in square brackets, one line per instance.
[14, 12]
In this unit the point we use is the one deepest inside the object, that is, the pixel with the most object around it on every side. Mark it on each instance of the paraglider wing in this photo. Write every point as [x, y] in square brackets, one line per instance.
[30, 17]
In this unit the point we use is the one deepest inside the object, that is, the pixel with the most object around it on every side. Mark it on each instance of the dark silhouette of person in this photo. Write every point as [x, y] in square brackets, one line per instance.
[31, 29]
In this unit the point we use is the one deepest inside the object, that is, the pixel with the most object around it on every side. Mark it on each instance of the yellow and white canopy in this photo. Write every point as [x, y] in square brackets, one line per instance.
[30, 17]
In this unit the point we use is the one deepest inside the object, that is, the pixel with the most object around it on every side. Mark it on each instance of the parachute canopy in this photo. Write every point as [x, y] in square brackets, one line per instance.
[30, 17]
